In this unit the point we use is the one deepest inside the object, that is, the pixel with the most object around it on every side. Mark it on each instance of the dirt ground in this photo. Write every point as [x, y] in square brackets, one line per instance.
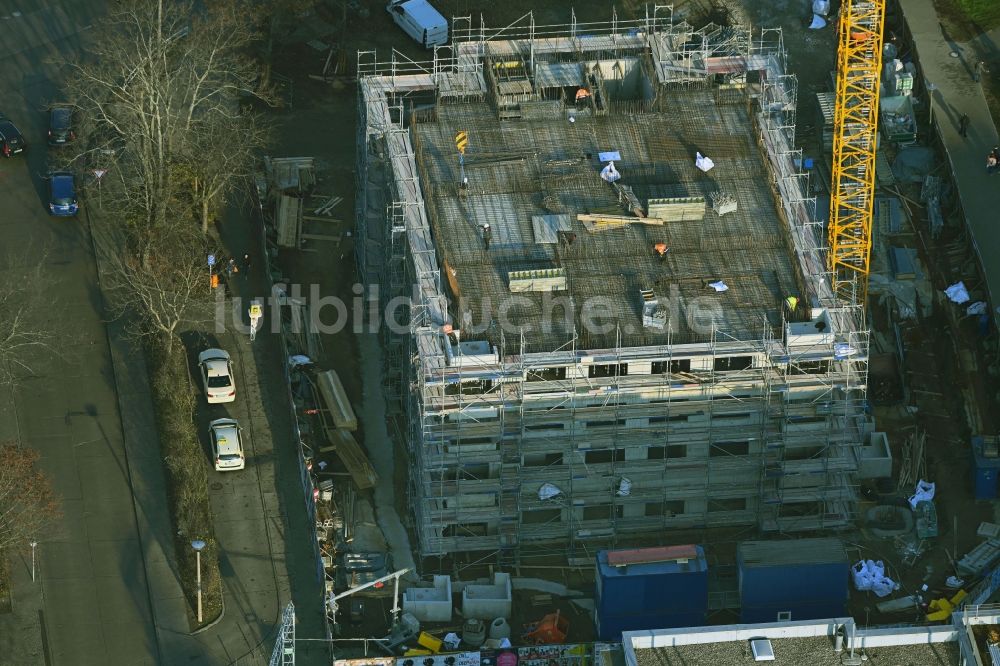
[942, 352]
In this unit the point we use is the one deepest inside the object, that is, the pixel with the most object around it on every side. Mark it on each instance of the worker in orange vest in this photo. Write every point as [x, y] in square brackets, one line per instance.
[581, 95]
[661, 250]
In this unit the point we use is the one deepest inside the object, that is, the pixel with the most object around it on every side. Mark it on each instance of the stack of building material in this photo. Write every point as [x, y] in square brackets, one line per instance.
[545, 279]
[335, 398]
[288, 220]
[654, 313]
[723, 203]
[827, 102]
[603, 222]
[930, 192]
[883, 171]
[627, 198]
[978, 560]
[676, 209]
[898, 80]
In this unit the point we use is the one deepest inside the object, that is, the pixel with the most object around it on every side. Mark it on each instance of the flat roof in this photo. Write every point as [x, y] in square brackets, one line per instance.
[814, 651]
[785, 552]
[520, 169]
[651, 561]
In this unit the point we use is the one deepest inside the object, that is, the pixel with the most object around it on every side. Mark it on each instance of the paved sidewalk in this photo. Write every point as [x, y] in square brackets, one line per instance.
[957, 94]
[260, 525]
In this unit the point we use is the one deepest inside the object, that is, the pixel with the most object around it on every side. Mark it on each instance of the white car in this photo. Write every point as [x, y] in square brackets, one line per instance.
[420, 21]
[216, 370]
[227, 445]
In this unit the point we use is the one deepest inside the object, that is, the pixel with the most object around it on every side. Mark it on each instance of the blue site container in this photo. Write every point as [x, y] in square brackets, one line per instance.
[803, 579]
[985, 470]
[650, 588]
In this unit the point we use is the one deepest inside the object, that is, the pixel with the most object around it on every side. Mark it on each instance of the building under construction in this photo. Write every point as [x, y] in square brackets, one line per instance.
[598, 339]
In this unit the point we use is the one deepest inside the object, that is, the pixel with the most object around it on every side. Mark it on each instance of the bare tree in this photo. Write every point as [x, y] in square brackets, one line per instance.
[28, 506]
[160, 77]
[222, 157]
[163, 285]
[25, 332]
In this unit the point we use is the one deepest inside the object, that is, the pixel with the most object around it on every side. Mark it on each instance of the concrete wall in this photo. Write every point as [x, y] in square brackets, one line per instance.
[623, 79]
[488, 602]
[430, 604]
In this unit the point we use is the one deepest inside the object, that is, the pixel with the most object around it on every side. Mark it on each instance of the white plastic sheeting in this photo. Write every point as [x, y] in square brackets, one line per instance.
[548, 491]
[818, 22]
[821, 7]
[842, 350]
[298, 359]
[977, 308]
[924, 492]
[957, 293]
[624, 487]
[610, 173]
[870, 576]
[702, 162]
[719, 286]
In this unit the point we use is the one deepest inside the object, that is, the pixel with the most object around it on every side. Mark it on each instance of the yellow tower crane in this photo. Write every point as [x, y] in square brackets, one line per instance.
[859, 64]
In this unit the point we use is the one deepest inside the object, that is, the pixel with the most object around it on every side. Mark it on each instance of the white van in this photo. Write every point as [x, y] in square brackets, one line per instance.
[419, 20]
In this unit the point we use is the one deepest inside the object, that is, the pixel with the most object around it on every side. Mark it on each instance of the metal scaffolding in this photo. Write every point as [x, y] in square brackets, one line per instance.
[566, 439]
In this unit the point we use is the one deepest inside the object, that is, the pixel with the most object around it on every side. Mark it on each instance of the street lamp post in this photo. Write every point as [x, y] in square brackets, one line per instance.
[931, 89]
[34, 544]
[198, 546]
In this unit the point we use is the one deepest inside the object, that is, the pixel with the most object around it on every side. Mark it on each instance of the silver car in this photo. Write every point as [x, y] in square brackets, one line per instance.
[227, 445]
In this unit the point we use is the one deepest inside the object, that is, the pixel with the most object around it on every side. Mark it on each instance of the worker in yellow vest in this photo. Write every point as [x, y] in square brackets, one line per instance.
[792, 303]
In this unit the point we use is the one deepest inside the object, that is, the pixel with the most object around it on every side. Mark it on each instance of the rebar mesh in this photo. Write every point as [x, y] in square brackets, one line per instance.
[525, 168]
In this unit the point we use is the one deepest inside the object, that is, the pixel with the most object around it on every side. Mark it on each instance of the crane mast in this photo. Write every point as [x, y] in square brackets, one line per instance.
[859, 63]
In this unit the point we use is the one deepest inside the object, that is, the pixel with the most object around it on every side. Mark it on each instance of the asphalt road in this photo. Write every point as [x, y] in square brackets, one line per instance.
[107, 589]
[91, 576]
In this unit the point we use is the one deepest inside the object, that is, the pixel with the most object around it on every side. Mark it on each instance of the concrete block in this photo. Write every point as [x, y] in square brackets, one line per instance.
[488, 602]
[430, 604]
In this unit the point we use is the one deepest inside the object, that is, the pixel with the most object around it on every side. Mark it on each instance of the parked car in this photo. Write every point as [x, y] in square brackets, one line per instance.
[227, 445]
[62, 194]
[11, 141]
[420, 21]
[216, 370]
[61, 126]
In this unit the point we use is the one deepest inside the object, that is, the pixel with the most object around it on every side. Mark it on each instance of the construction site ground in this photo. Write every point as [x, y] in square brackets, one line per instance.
[949, 396]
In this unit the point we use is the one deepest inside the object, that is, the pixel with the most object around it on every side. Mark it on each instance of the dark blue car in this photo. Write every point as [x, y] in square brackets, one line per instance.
[62, 194]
